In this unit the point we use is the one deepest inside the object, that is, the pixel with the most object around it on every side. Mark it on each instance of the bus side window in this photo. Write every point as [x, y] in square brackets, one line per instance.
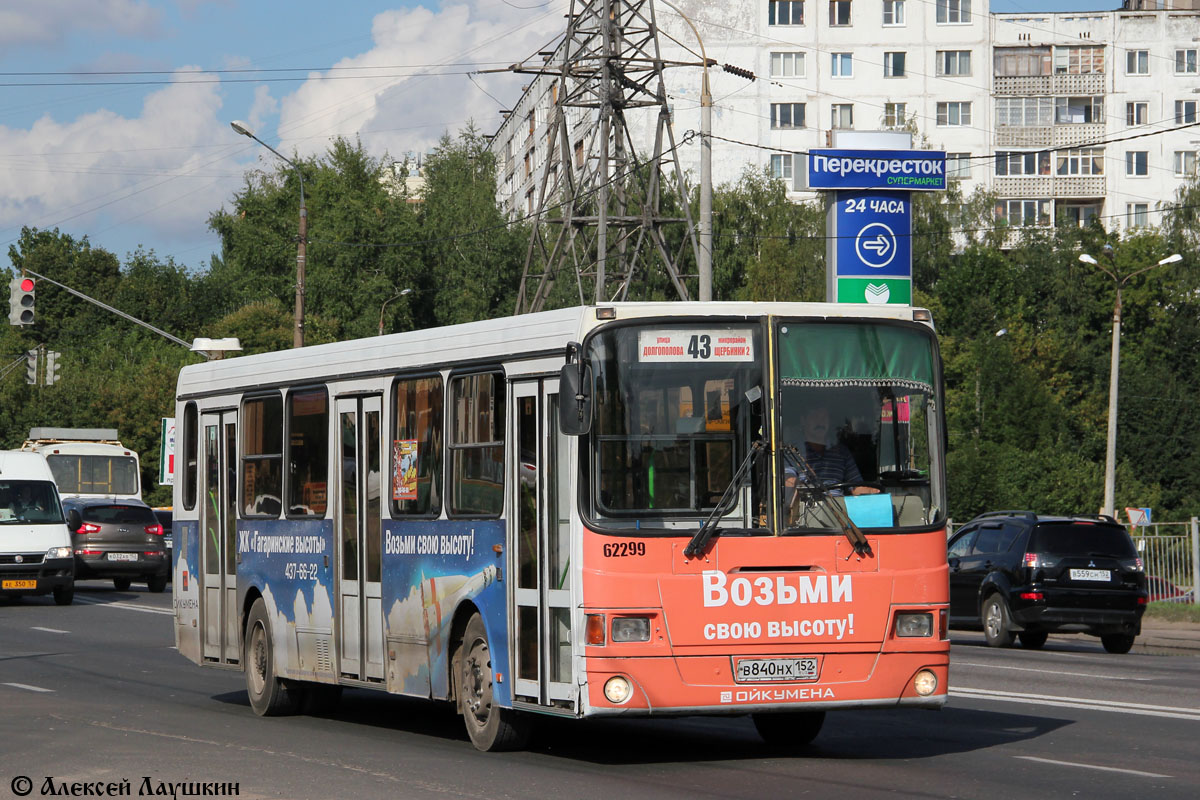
[308, 452]
[477, 445]
[190, 461]
[262, 456]
[416, 483]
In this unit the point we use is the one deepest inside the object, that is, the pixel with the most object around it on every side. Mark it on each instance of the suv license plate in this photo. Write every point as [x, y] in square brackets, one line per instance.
[18, 584]
[1091, 575]
[122, 557]
[772, 670]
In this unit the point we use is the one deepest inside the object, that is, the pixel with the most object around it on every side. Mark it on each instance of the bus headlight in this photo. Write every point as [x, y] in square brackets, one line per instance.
[631, 629]
[925, 683]
[911, 625]
[617, 689]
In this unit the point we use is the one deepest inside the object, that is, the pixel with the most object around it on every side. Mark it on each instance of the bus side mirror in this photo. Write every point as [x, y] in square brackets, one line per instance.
[575, 395]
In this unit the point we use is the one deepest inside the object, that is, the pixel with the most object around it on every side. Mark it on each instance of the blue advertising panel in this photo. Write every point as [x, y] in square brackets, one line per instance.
[903, 170]
[874, 234]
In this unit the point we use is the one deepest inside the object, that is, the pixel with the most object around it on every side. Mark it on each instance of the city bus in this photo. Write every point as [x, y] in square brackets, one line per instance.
[88, 462]
[587, 512]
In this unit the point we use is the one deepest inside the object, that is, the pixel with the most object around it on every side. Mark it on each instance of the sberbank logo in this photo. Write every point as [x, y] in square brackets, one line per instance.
[875, 291]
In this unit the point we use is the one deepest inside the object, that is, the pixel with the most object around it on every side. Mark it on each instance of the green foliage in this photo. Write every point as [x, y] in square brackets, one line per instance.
[1026, 410]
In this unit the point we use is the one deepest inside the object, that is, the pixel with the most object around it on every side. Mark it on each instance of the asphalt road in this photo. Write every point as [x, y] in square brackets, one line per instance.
[96, 693]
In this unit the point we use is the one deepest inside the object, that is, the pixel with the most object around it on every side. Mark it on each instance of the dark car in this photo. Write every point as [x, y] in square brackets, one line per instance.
[1018, 573]
[165, 518]
[120, 540]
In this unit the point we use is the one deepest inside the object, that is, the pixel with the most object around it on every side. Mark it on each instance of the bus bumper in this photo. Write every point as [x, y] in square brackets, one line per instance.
[704, 685]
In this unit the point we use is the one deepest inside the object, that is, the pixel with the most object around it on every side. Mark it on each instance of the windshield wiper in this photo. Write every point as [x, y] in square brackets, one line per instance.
[708, 530]
[855, 536]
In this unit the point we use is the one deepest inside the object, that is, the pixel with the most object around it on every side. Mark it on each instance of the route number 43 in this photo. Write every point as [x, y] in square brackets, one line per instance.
[700, 346]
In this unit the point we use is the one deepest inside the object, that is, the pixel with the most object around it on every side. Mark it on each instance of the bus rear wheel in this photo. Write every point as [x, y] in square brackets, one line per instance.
[789, 729]
[269, 696]
[490, 727]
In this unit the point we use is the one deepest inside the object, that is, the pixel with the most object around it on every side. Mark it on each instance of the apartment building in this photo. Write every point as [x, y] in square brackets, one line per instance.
[1064, 116]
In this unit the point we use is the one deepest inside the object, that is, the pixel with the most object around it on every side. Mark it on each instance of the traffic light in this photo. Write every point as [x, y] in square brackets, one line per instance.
[52, 367]
[20, 300]
[31, 367]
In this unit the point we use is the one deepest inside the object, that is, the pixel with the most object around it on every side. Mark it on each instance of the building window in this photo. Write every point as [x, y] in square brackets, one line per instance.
[953, 62]
[785, 12]
[839, 13]
[1137, 215]
[842, 116]
[787, 115]
[1136, 113]
[1024, 213]
[952, 12]
[1078, 110]
[1185, 62]
[1185, 163]
[787, 65]
[579, 154]
[1084, 161]
[893, 12]
[1024, 112]
[1137, 162]
[958, 166]
[894, 115]
[893, 65]
[1079, 60]
[1022, 61]
[1185, 112]
[843, 65]
[1010, 164]
[781, 167]
[953, 114]
[532, 122]
[1137, 62]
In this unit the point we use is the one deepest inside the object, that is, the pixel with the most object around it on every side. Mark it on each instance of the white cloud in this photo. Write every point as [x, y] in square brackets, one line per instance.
[50, 22]
[413, 107]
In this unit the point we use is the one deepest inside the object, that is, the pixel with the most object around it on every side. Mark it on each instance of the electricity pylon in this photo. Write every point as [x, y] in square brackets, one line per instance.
[598, 204]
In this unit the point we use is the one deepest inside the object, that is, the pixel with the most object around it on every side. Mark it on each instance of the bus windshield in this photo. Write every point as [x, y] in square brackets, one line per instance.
[94, 474]
[672, 420]
[858, 425]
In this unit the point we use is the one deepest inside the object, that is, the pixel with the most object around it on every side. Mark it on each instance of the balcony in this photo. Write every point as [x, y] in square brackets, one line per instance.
[1049, 186]
[1033, 85]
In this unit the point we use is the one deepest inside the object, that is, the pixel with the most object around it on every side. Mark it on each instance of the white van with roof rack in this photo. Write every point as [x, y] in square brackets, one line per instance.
[35, 544]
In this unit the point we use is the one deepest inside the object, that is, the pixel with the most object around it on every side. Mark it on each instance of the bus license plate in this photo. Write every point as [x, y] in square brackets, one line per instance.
[1091, 575]
[122, 556]
[771, 670]
[19, 585]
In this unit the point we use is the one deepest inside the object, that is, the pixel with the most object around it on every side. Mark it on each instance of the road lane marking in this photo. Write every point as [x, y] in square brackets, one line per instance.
[130, 606]
[1093, 766]
[1172, 712]
[28, 688]
[47, 630]
[954, 663]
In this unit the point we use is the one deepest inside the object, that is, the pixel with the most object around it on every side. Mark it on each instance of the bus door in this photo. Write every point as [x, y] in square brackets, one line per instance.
[541, 528]
[218, 526]
[360, 609]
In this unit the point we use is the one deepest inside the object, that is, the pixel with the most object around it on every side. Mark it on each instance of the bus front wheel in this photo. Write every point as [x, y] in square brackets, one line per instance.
[490, 727]
[789, 728]
[269, 696]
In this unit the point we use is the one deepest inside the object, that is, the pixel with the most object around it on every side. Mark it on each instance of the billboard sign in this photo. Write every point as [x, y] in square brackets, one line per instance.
[892, 170]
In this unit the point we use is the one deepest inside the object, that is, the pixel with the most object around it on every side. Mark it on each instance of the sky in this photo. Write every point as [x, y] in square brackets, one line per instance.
[115, 114]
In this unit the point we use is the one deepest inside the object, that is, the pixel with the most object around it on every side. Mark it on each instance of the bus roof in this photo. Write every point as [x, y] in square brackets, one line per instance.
[487, 341]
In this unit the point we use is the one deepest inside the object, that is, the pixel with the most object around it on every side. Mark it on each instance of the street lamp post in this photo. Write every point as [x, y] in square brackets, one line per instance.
[302, 241]
[1110, 456]
[704, 268]
[401, 293]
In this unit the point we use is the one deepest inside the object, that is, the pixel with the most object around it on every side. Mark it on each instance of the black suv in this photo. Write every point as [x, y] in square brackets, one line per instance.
[1015, 572]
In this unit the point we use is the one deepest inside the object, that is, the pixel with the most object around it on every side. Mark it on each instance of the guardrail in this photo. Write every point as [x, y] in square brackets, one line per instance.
[1170, 552]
